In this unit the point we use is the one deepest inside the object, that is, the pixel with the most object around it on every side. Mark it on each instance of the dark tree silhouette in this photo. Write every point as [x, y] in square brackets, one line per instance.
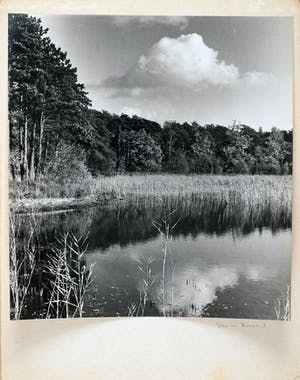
[50, 122]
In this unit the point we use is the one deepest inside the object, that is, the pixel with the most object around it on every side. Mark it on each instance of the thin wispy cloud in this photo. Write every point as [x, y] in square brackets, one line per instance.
[135, 111]
[180, 22]
[255, 78]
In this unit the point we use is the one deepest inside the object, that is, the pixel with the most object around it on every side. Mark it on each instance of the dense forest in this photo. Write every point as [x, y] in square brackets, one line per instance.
[56, 136]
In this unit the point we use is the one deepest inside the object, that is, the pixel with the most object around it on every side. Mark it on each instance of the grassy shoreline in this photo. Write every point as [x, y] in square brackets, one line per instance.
[50, 204]
[255, 189]
[175, 205]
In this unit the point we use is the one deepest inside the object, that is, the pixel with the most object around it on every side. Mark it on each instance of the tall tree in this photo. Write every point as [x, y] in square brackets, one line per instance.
[46, 101]
[237, 153]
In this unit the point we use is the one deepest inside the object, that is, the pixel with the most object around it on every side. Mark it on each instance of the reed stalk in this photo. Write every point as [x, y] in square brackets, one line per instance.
[144, 266]
[22, 265]
[165, 228]
[282, 305]
[71, 277]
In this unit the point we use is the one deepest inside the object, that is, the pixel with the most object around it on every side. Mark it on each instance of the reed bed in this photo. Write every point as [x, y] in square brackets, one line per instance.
[22, 265]
[71, 277]
[50, 278]
[254, 189]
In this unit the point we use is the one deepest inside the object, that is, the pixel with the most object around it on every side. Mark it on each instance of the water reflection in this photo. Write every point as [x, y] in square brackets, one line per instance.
[238, 278]
[225, 259]
[131, 221]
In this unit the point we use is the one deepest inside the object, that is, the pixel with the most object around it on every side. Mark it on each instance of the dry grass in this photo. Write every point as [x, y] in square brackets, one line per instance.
[144, 266]
[282, 306]
[22, 265]
[164, 227]
[71, 277]
[256, 189]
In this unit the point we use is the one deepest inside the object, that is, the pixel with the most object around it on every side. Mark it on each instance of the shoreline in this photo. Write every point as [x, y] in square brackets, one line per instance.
[108, 191]
[36, 205]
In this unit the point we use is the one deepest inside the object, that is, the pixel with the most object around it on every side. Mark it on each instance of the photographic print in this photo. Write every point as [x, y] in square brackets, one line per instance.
[150, 166]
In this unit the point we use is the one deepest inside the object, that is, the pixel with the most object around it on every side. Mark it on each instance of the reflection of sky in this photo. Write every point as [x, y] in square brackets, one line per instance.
[204, 265]
[194, 289]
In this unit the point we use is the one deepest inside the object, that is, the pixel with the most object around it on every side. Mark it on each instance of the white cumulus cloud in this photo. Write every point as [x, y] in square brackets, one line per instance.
[185, 62]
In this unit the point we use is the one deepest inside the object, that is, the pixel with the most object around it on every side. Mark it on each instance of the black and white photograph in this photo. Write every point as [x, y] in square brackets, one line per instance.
[150, 166]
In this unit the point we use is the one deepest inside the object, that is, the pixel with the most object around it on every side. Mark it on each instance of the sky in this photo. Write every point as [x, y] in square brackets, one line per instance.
[204, 69]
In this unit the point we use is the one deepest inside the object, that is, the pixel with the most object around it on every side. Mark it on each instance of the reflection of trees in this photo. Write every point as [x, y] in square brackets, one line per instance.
[132, 221]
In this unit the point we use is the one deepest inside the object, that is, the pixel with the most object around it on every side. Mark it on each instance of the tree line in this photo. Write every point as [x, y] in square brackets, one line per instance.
[53, 131]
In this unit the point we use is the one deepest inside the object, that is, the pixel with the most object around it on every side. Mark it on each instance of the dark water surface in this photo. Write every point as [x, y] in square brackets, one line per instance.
[221, 260]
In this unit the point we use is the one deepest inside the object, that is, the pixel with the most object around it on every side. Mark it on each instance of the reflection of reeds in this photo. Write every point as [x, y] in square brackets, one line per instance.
[237, 203]
[132, 309]
[66, 276]
[71, 277]
[165, 228]
[282, 305]
[22, 265]
[144, 266]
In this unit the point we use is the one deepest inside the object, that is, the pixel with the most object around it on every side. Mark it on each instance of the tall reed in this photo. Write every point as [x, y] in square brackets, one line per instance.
[251, 186]
[282, 305]
[66, 277]
[144, 266]
[22, 265]
[165, 228]
[71, 277]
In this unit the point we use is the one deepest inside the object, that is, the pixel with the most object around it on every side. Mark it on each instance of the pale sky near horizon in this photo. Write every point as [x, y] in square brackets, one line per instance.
[204, 69]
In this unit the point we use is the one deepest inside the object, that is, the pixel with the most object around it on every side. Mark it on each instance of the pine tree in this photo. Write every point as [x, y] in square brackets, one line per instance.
[46, 101]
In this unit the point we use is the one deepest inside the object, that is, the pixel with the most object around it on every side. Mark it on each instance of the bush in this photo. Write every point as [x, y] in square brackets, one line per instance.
[67, 174]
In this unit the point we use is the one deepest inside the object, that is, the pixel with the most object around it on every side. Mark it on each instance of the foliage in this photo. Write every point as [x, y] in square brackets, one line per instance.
[140, 152]
[57, 142]
[67, 173]
[46, 102]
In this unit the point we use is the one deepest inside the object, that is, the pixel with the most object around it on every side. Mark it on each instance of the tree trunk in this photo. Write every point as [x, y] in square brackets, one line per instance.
[12, 170]
[56, 146]
[211, 167]
[44, 154]
[170, 149]
[21, 150]
[12, 153]
[32, 154]
[23, 133]
[25, 150]
[40, 143]
[119, 149]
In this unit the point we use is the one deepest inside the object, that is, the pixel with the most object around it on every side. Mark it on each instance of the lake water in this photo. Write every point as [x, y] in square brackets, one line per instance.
[219, 260]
